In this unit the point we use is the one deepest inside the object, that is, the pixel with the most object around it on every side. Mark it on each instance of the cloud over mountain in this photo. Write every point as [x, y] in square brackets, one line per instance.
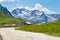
[37, 14]
[38, 7]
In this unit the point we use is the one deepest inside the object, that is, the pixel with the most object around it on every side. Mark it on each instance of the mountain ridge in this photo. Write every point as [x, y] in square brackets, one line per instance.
[34, 15]
[4, 9]
[8, 20]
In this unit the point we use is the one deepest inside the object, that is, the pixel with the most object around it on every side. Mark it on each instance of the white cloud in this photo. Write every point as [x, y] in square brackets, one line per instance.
[7, 0]
[37, 7]
[29, 8]
[46, 10]
[20, 7]
[42, 8]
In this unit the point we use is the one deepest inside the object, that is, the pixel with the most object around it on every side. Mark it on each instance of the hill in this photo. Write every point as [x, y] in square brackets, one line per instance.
[3, 15]
[5, 10]
[6, 19]
[51, 28]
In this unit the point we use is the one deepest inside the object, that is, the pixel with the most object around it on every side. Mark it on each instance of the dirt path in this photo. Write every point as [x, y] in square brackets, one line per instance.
[11, 34]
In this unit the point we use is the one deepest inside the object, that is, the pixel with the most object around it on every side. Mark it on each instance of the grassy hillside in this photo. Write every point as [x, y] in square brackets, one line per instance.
[52, 28]
[5, 19]
[3, 15]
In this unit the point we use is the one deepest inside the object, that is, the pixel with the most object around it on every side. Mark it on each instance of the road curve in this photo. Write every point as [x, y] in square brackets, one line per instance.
[11, 34]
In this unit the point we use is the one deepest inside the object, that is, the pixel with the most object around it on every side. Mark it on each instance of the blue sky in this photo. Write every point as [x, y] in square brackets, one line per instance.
[53, 5]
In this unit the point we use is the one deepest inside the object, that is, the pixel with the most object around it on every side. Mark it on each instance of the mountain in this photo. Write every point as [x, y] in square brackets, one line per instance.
[32, 16]
[54, 15]
[7, 18]
[3, 15]
[5, 10]
[35, 15]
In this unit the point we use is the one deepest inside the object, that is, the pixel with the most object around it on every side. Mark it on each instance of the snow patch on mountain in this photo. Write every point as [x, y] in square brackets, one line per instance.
[38, 14]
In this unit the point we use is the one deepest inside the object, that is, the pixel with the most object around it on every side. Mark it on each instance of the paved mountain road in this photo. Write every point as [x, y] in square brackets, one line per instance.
[11, 34]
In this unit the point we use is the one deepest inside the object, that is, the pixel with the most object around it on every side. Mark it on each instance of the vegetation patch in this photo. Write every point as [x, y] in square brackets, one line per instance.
[51, 28]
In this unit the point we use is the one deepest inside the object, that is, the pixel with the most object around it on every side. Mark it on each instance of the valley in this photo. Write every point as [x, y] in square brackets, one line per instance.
[25, 24]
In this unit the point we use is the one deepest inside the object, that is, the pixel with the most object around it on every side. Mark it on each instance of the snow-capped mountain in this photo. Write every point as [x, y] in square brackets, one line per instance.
[35, 15]
[5, 10]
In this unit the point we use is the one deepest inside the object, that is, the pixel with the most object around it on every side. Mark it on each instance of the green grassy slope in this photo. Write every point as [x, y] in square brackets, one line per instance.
[52, 28]
[5, 19]
[3, 15]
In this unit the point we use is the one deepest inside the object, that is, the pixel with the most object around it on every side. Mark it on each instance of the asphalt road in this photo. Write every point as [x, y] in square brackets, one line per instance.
[11, 34]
